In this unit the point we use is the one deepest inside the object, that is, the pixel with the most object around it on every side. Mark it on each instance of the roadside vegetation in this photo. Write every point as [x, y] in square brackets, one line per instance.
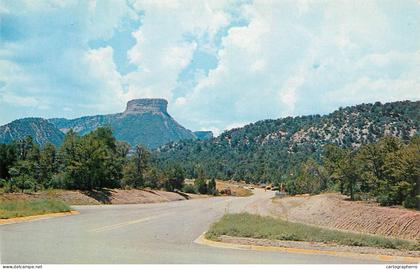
[368, 152]
[94, 161]
[386, 171]
[255, 226]
[23, 208]
[201, 186]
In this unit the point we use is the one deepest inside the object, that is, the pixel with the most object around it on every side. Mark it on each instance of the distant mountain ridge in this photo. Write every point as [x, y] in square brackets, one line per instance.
[203, 135]
[145, 121]
[268, 149]
[41, 131]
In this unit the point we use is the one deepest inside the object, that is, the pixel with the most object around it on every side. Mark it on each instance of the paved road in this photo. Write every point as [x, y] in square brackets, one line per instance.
[148, 233]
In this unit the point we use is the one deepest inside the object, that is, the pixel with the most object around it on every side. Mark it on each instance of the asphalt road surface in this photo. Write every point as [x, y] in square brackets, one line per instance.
[146, 233]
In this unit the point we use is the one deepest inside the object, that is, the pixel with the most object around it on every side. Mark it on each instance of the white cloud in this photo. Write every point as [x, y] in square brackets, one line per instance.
[102, 69]
[162, 50]
[369, 90]
[46, 43]
[180, 101]
[285, 62]
[10, 98]
[283, 58]
[235, 125]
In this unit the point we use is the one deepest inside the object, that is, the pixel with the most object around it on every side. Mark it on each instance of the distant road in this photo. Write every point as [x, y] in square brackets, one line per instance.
[147, 233]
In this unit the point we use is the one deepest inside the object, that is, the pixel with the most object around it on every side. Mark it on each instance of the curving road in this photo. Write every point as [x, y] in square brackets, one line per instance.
[146, 233]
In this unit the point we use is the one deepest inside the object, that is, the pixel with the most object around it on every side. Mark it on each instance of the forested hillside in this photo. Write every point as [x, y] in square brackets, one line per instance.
[271, 150]
[39, 129]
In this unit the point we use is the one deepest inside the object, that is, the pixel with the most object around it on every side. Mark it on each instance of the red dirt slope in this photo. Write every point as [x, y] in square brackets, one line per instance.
[333, 211]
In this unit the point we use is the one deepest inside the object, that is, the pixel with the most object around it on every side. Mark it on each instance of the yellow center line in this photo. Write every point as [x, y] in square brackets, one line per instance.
[123, 224]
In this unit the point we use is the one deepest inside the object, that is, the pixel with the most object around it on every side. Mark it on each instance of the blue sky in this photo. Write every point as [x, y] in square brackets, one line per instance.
[220, 64]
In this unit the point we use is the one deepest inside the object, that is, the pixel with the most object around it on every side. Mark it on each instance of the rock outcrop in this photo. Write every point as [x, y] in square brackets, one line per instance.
[146, 105]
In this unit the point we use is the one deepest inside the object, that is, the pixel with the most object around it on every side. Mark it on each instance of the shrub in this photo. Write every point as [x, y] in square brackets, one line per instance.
[176, 176]
[29, 184]
[188, 188]
[24, 182]
[410, 202]
[357, 197]
[3, 183]
[211, 187]
[385, 200]
[59, 181]
[201, 185]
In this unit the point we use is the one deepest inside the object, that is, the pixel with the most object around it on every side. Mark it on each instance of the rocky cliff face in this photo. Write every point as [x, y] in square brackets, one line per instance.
[139, 106]
[144, 121]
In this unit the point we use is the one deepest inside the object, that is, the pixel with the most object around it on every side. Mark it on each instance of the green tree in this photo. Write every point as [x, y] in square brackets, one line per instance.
[201, 185]
[8, 156]
[136, 168]
[199, 172]
[153, 178]
[48, 163]
[175, 177]
[89, 162]
[311, 178]
[211, 188]
[342, 166]
[333, 159]
[401, 174]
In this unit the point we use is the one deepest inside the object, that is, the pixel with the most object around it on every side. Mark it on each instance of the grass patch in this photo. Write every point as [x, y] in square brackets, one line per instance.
[254, 226]
[23, 208]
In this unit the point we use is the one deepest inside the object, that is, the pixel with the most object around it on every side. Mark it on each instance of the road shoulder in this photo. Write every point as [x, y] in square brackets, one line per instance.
[37, 217]
[304, 248]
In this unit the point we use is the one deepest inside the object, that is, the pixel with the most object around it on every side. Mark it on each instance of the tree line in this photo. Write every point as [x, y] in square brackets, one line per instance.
[93, 161]
[387, 171]
[269, 150]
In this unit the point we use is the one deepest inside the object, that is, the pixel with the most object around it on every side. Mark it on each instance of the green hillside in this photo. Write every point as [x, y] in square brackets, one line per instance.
[39, 129]
[270, 150]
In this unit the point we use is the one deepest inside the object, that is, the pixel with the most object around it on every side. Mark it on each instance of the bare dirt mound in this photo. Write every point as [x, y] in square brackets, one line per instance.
[106, 196]
[117, 196]
[69, 197]
[334, 211]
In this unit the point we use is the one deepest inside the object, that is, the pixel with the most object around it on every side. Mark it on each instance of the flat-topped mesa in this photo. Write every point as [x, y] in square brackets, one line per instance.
[146, 105]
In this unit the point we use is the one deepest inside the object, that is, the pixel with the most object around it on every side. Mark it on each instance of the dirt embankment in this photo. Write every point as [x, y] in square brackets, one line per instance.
[107, 196]
[332, 210]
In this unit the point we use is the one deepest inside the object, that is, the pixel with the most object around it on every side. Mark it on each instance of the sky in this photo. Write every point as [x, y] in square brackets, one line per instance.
[220, 64]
